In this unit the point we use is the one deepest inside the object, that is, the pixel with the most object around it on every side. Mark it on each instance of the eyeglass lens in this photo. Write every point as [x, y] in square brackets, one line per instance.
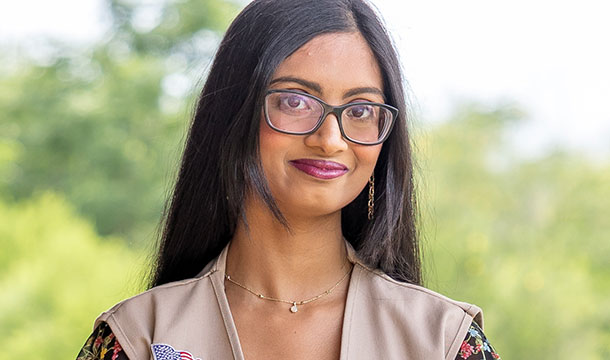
[299, 114]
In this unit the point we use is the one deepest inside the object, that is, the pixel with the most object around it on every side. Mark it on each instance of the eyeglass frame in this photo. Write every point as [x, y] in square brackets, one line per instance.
[329, 109]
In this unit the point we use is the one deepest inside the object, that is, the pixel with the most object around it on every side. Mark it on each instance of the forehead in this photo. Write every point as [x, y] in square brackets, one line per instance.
[336, 61]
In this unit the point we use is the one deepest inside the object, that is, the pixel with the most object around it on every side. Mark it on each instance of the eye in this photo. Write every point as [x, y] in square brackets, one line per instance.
[294, 102]
[360, 111]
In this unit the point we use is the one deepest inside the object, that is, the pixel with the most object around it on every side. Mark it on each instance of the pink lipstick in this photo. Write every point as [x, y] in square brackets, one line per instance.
[320, 169]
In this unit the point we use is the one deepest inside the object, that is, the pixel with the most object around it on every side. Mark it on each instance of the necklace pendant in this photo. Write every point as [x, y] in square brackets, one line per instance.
[294, 308]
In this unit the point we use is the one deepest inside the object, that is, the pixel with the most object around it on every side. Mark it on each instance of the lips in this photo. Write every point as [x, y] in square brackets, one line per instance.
[320, 169]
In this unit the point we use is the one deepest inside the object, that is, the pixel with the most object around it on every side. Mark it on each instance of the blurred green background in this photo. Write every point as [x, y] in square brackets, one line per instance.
[89, 147]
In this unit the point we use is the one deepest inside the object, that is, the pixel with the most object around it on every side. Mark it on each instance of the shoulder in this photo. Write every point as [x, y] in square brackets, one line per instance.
[377, 288]
[171, 295]
[380, 287]
[407, 316]
[135, 321]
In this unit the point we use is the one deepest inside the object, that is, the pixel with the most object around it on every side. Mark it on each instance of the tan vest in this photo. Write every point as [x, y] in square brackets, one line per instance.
[384, 319]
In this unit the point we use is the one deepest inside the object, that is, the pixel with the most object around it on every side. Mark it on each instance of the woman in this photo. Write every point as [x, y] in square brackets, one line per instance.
[296, 190]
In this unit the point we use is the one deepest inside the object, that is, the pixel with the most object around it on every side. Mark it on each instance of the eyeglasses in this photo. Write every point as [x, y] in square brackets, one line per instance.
[296, 113]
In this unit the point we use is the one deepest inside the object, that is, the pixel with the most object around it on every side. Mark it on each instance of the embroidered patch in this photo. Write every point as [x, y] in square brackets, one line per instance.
[167, 352]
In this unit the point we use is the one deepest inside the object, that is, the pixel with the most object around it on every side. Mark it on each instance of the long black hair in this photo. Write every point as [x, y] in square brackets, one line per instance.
[221, 162]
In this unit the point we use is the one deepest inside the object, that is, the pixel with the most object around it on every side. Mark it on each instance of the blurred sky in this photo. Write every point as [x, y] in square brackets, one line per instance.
[551, 57]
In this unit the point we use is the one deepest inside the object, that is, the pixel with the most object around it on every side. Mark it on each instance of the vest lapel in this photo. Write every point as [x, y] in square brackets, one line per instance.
[217, 274]
[217, 277]
[350, 304]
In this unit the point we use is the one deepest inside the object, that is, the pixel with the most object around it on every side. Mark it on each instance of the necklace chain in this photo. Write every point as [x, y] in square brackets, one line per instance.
[294, 308]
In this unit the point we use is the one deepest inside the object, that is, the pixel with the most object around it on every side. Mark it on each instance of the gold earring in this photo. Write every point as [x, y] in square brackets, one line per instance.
[371, 197]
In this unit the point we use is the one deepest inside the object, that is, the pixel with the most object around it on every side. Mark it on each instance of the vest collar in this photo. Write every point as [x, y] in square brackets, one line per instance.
[216, 272]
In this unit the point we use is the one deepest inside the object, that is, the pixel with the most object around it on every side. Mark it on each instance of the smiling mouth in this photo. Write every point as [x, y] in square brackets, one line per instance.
[320, 169]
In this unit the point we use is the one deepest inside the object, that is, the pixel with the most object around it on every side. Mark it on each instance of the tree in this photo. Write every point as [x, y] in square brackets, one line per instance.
[104, 125]
[527, 240]
[56, 276]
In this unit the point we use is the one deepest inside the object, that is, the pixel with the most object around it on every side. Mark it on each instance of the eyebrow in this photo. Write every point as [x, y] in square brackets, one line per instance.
[364, 90]
[312, 85]
[316, 87]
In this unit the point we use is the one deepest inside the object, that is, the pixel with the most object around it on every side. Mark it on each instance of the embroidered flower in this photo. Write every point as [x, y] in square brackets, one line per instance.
[478, 344]
[116, 349]
[102, 345]
[98, 342]
[473, 332]
[466, 350]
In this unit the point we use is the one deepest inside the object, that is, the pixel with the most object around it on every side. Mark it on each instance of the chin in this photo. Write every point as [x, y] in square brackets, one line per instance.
[313, 207]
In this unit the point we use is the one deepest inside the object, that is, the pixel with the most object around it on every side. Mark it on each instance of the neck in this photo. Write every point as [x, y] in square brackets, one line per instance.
[287, 264]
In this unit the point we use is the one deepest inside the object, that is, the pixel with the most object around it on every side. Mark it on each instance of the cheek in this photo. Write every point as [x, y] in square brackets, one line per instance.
[367, 157]
[270, 141]
[272, 148]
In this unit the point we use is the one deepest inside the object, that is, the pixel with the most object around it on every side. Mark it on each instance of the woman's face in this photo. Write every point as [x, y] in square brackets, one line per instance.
[320, 173]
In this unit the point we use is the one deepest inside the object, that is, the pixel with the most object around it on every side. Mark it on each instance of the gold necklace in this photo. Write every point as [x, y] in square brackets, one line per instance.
[293, 308]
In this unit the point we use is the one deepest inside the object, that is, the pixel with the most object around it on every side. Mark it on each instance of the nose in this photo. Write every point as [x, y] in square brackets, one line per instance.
[327, 138]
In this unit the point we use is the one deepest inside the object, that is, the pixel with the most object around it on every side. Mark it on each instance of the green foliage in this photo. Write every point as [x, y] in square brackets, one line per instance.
[56, 276]
[525, 240]
[81, 137]
[103, 126]
[169, 27]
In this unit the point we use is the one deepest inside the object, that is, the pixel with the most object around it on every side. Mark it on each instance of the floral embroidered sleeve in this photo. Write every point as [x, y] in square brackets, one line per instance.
[102, 345]
[475, 346]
